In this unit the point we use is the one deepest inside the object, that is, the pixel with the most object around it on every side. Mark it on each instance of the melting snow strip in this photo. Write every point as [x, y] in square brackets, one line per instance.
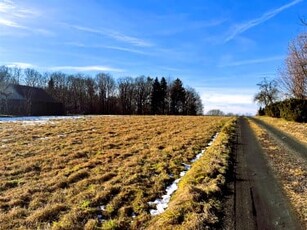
[36, 119]
[101, 208]
[162, 204]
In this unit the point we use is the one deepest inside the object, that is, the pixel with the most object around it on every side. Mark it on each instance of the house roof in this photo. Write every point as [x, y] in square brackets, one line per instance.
[33, 93]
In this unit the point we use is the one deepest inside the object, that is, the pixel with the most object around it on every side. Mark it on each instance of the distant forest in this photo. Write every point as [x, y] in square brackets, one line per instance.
[102, 94]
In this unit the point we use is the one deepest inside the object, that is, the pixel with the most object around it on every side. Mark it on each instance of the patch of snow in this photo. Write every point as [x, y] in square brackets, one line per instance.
[36, 119]
[100, 216]
[212, 140]
[100, 219]
[43, 138]
[162, 204]
[204, 150]
[186, 166]
[197, 157]
[6, 140]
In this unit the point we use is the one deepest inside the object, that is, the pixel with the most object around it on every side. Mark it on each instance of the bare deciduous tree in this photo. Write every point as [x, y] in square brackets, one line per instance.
[33, 78]
[16, 75]
[268, 92]
[91, 88]
[106, 86]
[143, 88]
[303, 21]
[215, 112]
[193, 103]
[5, 80]
[126, 91]
[294, 75]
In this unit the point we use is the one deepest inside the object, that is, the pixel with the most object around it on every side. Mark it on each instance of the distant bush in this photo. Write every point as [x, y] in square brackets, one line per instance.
[294, 110]
[273, 110]
[291, 110]
[261, 112]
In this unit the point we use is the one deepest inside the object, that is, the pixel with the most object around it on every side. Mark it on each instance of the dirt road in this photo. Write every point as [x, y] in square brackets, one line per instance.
[287, 141]
[258, 201]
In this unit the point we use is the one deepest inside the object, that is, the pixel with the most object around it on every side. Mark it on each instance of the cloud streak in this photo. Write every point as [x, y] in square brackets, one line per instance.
[116, 36]
[119, 48]
[125, 49]
[251, 61]
[22, 65]
[85, 68]
[11, 14]
[9, 7]
[90, 68]
[10, 23]
[240, 28]
[228, 100]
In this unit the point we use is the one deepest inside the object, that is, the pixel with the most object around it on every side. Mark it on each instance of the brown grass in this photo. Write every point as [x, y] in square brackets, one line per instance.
[298, 130]
[58, 175]
[290, 170]
[197, 202]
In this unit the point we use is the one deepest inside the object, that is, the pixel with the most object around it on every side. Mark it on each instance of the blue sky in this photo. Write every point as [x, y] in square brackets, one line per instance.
[220, 48]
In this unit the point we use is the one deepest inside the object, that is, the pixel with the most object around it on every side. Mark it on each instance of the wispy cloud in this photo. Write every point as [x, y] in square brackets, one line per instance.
[10, 7]
[115, 35]
[124, 49]
[224, 98]
[92, 68]
[240, 28]
[43, 32]
[251, 61]
[171, 69]
[171, 25]
[85, 68]
[128, 39]
[22, 65]
[228, 100]
[11, 15]
[10, 23]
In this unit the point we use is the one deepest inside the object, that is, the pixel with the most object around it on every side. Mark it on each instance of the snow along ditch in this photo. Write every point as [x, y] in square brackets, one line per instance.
[32, 120]
[162, 203]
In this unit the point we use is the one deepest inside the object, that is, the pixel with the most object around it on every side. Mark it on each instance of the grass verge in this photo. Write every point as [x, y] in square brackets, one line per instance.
[197, 202]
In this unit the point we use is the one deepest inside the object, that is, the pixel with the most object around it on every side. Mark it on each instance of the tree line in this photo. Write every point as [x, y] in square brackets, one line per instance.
[286, 96]
[103, 94]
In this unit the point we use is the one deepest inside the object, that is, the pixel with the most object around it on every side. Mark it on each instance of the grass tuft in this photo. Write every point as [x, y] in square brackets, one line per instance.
[46, 214]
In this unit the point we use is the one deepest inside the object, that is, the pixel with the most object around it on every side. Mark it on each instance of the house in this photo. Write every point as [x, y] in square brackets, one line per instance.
[28, 101]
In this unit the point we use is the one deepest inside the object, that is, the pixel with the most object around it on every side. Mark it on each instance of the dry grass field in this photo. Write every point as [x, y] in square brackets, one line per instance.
[298, 130]
[94, 172]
